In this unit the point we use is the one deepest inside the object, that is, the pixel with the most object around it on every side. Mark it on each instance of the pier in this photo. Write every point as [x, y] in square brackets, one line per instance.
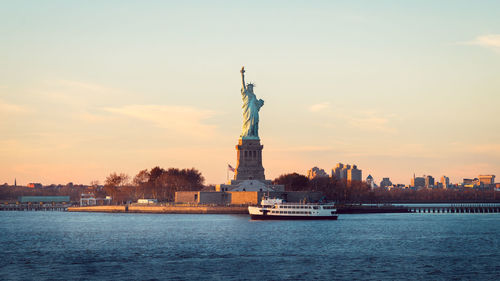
[457, 208]
[34, 207]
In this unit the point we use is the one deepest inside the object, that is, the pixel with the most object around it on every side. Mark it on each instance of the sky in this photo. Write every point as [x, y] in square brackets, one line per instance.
[398, 88]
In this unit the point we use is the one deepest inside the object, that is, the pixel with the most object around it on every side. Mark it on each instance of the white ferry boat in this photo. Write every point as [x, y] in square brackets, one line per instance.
[277, 209]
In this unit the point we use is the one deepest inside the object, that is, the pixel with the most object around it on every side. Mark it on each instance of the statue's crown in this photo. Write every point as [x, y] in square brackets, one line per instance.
[251, 84]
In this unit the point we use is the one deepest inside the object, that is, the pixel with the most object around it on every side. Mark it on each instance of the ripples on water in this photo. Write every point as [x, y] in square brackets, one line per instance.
[72, 246]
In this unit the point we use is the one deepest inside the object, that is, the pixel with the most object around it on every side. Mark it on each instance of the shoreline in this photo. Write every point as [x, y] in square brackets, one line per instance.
[163, 209]
[348, 209]
[217, 209]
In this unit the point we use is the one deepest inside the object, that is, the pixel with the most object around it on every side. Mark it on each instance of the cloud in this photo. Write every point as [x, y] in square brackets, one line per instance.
[491, 41]
[487, 149]
[78, 94]
[368, 120]
[309, 148]
[372, 121]
[180, 119]
[319, 107]
[11, 108]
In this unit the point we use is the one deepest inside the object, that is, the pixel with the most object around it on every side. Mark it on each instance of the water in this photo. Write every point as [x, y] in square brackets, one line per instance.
[93, 246]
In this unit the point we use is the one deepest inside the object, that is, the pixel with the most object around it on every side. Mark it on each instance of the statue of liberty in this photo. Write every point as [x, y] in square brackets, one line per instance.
[251, 107]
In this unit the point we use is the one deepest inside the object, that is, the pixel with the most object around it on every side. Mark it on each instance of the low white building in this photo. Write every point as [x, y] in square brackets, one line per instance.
[147, 201]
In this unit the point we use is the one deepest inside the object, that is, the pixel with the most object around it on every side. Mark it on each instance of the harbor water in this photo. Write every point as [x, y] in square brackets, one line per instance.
[105, 246]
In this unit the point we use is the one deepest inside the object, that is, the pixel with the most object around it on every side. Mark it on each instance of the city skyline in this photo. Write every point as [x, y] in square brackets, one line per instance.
[87, 89]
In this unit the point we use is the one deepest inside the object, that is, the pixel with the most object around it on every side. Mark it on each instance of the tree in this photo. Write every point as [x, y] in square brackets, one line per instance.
[116, 180]
[113, 186]
[155, 173]
[162, 184]
[141, 178]
[293, 182]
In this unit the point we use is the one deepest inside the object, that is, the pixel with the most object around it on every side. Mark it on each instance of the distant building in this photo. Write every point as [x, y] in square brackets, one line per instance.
[44, 199]
[470, 182]
[487, 180]
[354, 174]
[417, 182]
[347, 172]
[89, 199]
[147, 201]
[34, 185]
[386, 182]
[316, 172]
[445, 181]
[339, 172]
[396, 186]
[243, 197]
[429, 182]
[370, 181]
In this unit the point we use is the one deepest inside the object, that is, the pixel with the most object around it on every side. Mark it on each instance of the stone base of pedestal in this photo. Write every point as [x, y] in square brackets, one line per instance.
[250, 185]
[249, 160]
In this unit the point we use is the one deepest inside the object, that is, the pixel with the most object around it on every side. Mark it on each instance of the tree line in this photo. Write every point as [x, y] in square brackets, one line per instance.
[161, 184]
[156, 183]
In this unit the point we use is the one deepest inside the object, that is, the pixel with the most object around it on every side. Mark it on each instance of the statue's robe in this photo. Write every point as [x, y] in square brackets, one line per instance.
[251, 107]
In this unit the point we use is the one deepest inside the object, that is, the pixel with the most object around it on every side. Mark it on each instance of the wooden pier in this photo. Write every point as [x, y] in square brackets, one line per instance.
[456, 208]
[34, 207]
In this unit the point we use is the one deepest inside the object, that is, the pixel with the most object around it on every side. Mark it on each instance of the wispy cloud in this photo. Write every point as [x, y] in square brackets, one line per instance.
[308, 148]
[491, 41]
[10, 108]
[492, 148]
[319, 107]
[77, 93]
[369, 120]
[180, 119]
[372, 121]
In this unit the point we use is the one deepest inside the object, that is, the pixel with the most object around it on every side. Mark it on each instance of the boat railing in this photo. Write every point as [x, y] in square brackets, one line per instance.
[308, 204]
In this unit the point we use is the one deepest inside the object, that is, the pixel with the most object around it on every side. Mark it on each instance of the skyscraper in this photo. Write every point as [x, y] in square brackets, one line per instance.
[315, 172]
[429, 182]
[354, 174]
[338, 172]
[486, 180]
[347, 172]
[445, 181]
[417, 181]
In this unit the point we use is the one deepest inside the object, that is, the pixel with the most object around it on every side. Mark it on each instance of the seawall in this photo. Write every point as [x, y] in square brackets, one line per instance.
[163, 209]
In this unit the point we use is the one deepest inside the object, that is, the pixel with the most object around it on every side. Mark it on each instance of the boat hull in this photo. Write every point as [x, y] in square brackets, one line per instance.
[271, 217]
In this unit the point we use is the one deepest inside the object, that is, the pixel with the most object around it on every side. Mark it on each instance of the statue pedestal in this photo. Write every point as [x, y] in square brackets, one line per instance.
[249, 173]
[249, 160]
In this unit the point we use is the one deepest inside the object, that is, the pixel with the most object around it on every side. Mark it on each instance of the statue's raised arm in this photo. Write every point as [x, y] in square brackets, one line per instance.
[243, 78]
